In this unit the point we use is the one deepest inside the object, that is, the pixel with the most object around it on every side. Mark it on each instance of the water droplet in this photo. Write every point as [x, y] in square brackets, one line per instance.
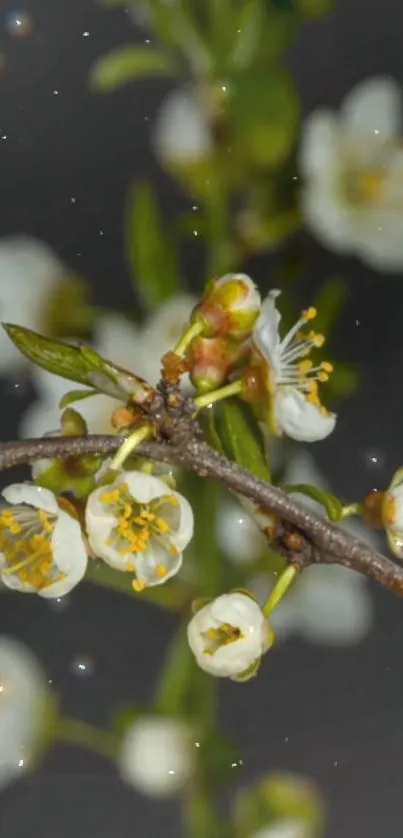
[50, 681]
[73, 200]
[147, 40]
[55, 92]
[59, 604]
[86, 34]
[374, 458]
[4, 136]
[83, 666]
[19, 24]
[101, 233]
[195, 232]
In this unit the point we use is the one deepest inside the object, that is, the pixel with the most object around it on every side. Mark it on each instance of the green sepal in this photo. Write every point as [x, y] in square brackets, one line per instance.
[127, 64]
[249, 673]
[331, 504]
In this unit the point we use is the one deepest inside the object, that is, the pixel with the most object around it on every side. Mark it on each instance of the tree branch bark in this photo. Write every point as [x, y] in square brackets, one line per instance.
[329, 544]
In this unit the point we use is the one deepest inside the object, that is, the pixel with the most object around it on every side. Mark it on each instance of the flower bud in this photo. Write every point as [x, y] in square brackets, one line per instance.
[230, 307]
[210, 360]
[392, 514]
[157, 756]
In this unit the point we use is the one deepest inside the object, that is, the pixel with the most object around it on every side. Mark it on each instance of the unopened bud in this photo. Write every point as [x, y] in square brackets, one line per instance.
[375, 510]
[72, 423]
[230, 307]
[211, 360]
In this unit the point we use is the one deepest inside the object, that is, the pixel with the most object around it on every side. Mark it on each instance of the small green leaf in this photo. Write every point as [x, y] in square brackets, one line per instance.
[128, 64]
[207, 420]
[241, 437]
[151, 252]
[77, 363]
[330, 503]
[249, 27]
[75, 396]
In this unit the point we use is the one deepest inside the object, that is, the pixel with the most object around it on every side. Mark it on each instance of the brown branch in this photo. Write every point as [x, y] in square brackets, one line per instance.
[329, 544]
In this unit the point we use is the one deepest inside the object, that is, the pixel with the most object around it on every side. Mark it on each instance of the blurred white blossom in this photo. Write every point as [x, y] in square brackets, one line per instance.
[352, 163]
[42, 548]
[238, 536]
[182, 132]
[139, 525]
[29, 272]
[157, 755]
[23, 709]
[229, 635]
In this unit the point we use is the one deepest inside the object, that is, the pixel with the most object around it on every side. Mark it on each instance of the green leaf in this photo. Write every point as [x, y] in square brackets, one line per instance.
[128, 64]
[249, 26]
[76, 363]
[207, 420]
[264, 109]
[125, 716]
[151, 252]
[241, 437]
[75, 396]
[330, 503]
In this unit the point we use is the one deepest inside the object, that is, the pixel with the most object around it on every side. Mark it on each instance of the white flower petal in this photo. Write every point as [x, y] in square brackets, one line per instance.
[29, 271]
[69, 554]
[334, 606]
[320, 145]
[182, 132]
[300, 419]
[34, 496]
[373, 108]
[146, 564]
[266, 331]
[238, 536]
[379, 238]
[327, 215]
[157, 756]
[22, 708]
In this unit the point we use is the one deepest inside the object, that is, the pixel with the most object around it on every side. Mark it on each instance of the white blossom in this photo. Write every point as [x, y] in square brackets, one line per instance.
[291, 378]
[42, 548]
[139, 525]
[285, 828]
[182, 133]
[23, 709]
[352, 163]
[29, 272]
[157, 755]
[229, 635]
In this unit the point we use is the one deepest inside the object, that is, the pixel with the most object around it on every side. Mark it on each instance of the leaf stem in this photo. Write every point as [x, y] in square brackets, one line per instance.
[206, 399]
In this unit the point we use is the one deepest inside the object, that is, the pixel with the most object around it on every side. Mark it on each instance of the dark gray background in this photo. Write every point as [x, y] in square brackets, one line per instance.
[335, 715]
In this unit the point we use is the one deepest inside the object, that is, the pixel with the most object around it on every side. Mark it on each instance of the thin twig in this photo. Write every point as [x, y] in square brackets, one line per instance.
[330, 544]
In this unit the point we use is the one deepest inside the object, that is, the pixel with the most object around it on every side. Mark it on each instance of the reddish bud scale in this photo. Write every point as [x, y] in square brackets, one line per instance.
[210, 361]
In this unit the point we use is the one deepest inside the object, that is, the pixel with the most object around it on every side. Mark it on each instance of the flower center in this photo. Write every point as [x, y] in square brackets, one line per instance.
[215, 638]
[294, 369]
[141, 526]
[26, 544]
[368, 187]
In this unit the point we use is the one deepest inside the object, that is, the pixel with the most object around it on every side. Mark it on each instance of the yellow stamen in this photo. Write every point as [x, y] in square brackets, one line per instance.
[138, 585]
[161, 571]
[309, 313]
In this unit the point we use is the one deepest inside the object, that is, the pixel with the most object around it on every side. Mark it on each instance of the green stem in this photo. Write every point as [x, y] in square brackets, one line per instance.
[351, 509]
[129, 445]
[280, 589]
[192, 332]
[174, 683]
[232, 389]
[77, 732]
